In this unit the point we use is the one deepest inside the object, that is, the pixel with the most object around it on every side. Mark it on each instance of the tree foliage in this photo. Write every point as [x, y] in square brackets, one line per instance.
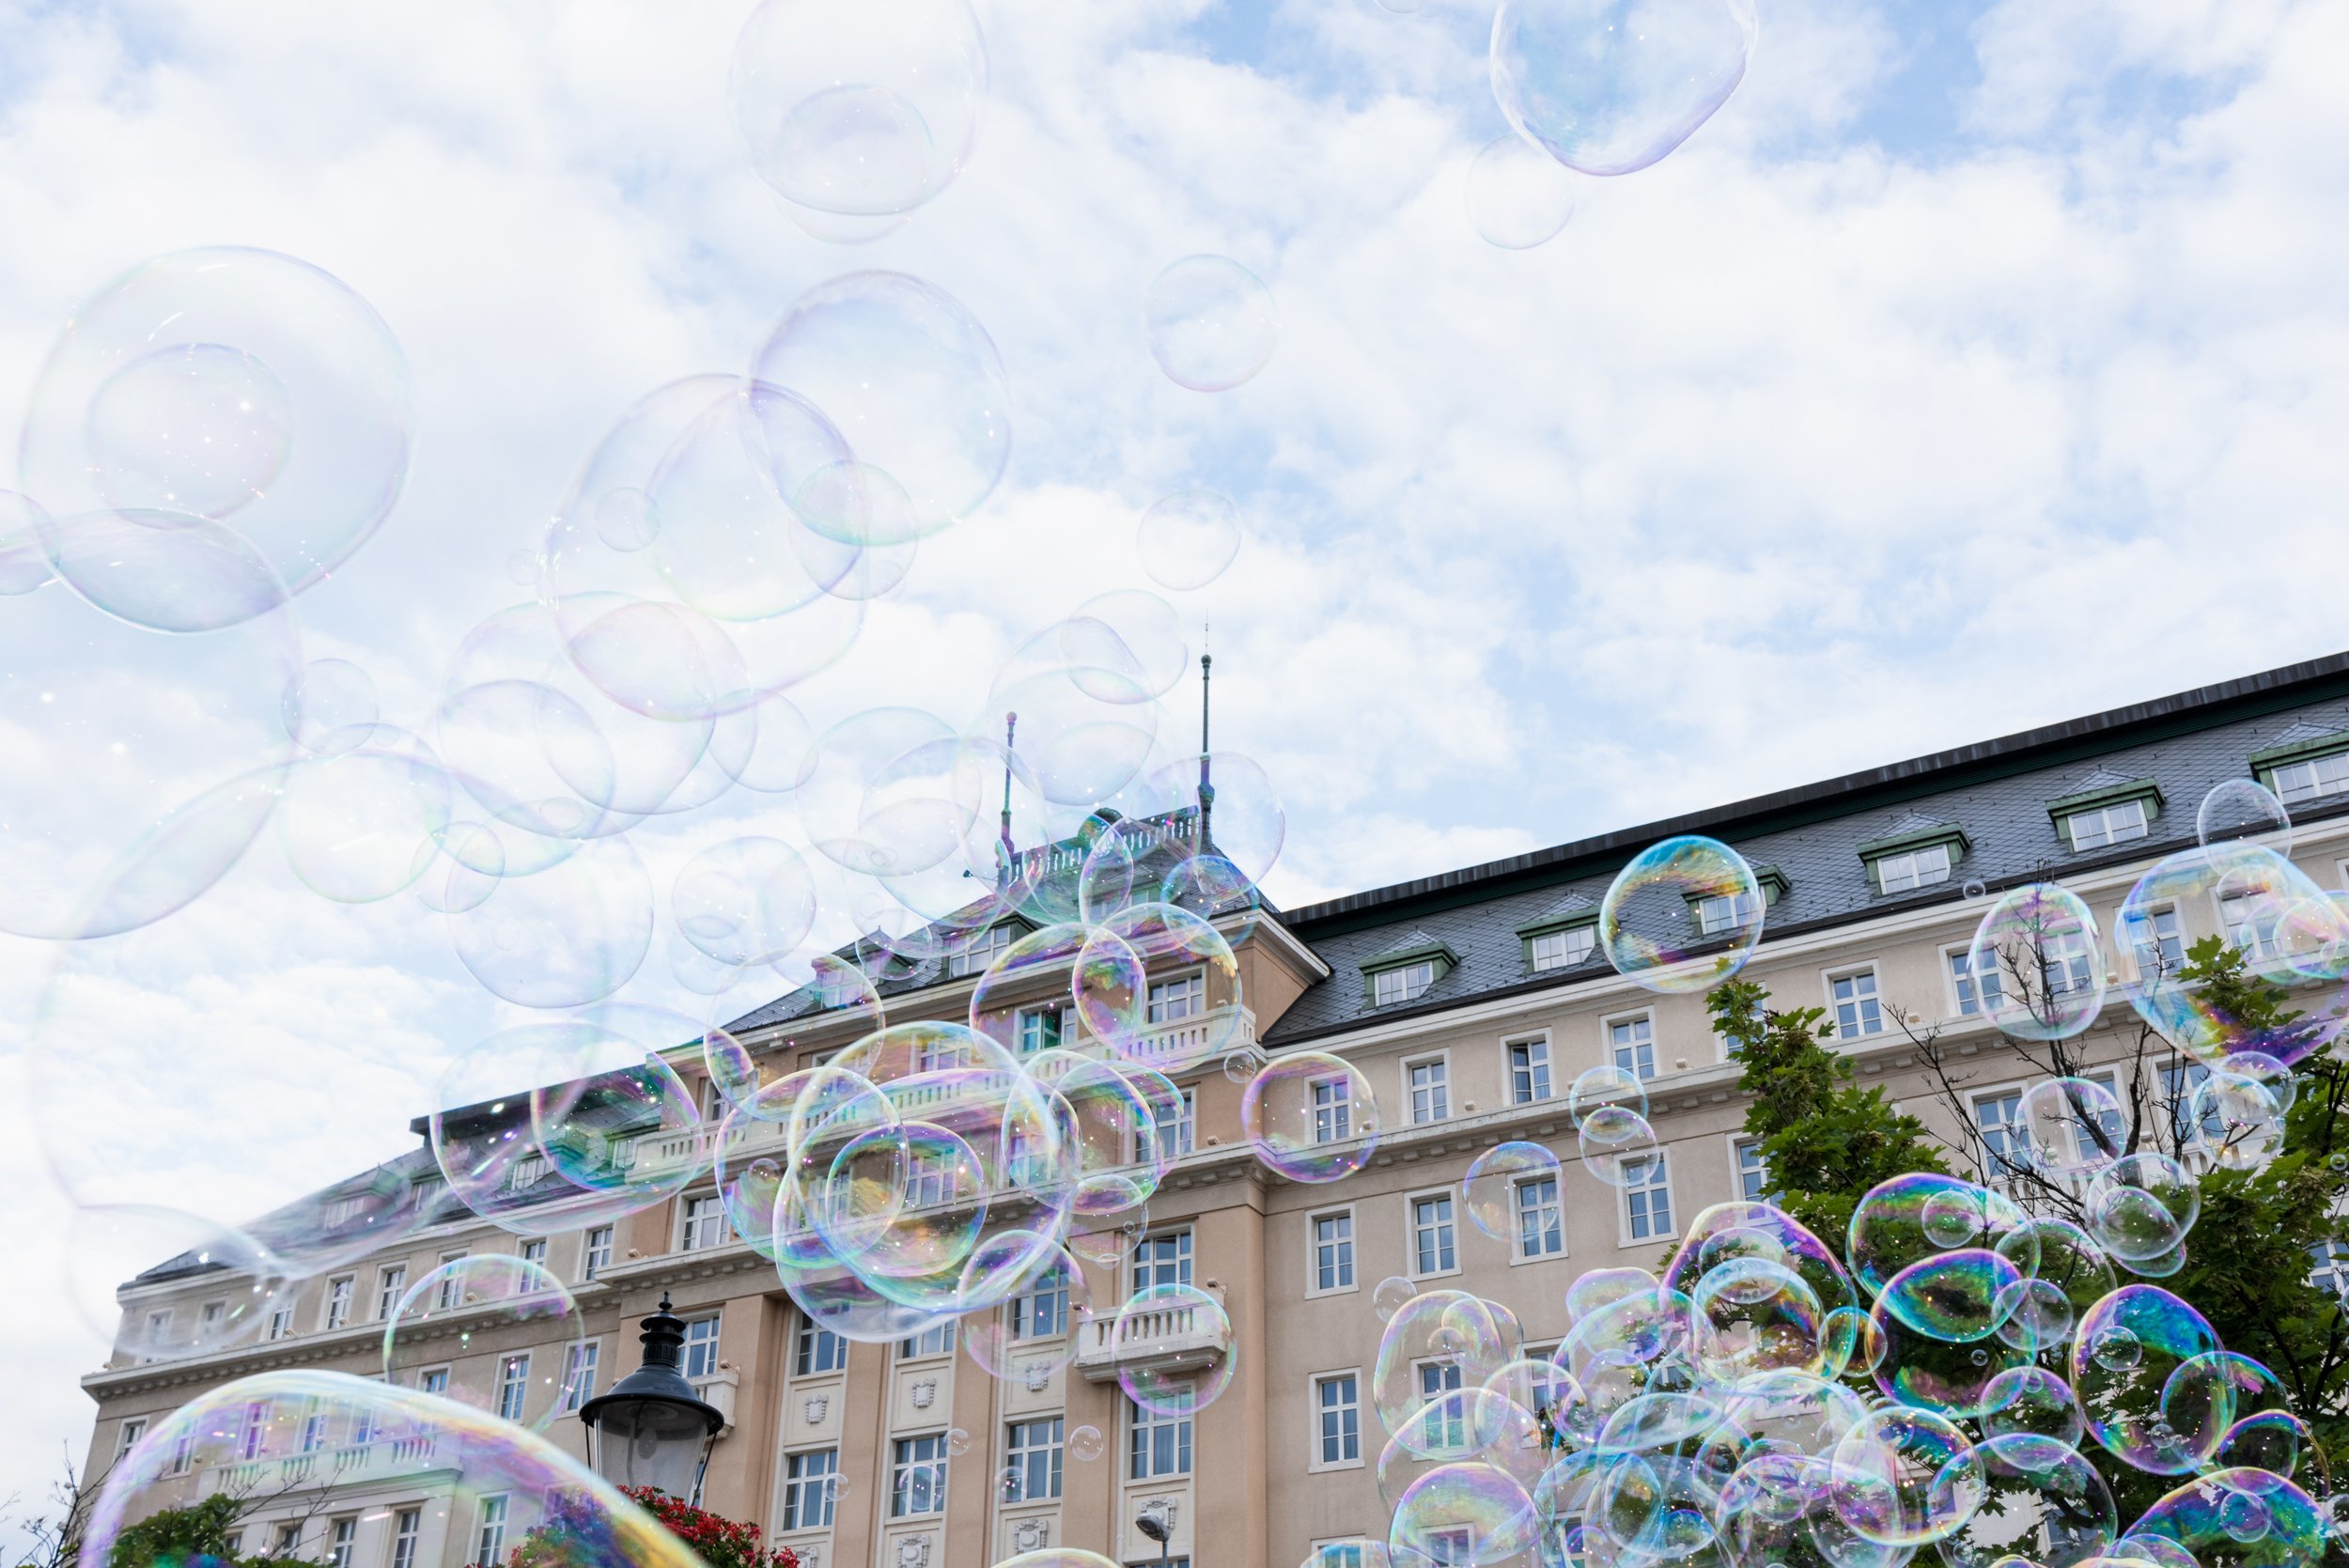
[578, 1534]
[202, 1532]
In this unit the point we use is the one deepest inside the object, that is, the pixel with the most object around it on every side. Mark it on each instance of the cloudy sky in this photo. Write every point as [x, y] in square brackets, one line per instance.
[1977, 365]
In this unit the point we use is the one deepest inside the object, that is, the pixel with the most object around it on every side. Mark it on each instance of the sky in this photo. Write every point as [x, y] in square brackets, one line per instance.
[1974, 368]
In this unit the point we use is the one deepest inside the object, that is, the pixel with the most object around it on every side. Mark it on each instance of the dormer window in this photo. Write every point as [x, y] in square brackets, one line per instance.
[1913, 868]
[2108, 825]
[1728, 911]
[2316, 776]
[1562, 950]
[1406, 972]
[2117, 811]
[982, 952]
[1408, 984]
[1919, 858]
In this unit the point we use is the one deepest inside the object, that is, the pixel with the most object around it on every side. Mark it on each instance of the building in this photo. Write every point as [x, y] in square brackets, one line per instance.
[1470, 1001]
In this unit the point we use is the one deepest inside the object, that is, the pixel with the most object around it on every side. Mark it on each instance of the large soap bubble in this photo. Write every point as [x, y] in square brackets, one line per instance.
[1210, 322]
[1518, 196]
[1609, 87]
[2040, 943]
[1186, 539]
[1684, 915]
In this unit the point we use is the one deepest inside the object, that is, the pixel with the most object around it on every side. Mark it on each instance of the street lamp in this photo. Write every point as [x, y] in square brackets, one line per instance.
[652, 1429]
[1153, 1522]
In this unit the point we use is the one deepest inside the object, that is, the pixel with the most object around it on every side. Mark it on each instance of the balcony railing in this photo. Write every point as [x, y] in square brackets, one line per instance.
[1174, 1338]
[379, 1460]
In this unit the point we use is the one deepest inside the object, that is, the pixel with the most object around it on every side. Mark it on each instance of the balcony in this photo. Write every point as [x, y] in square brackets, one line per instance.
[1174, 1339]
[381, 1460]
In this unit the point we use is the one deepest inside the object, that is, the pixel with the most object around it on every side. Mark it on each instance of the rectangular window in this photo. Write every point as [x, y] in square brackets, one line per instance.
[535, 1250]
[937, 1339]
[1337, 1554]
[1443, 1409]
[1974, 992]
[132, 1432]
[1914, 868]
[280, 1323]
[1042, 1312]
[1564, 950]
[1038, 1030]
[389, 1288]
[432, 1380]
[984, 950]
[1541, 1226]
[1432, 1234]
[1160, 1438]
[1634, 1044]
[1183, 996]
[917, 1476]
[339, 1295]
[579, 1373]
[2178, 1083]
[2005, 1141]
[1408, 984]
[1032, 1459]
[1431, 1090]
[1333, 1109]
[513, 1386]
[2105, 825]
[704, 1224]
[2328, 1269]
[2251, 921]
[1162, 1259]
[1724, 912]
[1172, 1135]
[807, 1489]
[490, 1541]
[1647, 1196]
[342, 1538]
[313, 1432]
[452, 1289]
[2306, 781]
[1334, 1250]
[1753, 1181]
[289, 1539]
[2160, 948]
[214, 1311]
[1856, 1010]
[818, 1349]
[407, 1527]
[1338, 1407]
[527, 1171]
[701, 1346]
[1529, 1071]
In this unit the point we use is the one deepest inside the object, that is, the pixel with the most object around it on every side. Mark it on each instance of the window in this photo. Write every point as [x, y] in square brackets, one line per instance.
[1634, 1043]
[596, 1256]
[528, 1172]
[389, 1288]
[1914, 868]
[1975, 993]
[1443, 1410]
[363, 1423]
[452, 1289]
[1333, 1109]
[1163, 1259]
[2178, 1083]
[1337, 1554]
[2160, 949]
[211, 1316]
[1036, 1028]
[338, 1293]
[2005, 1141]
[1183, 996]
[704, 1224]
[280, 1323]
[1432, 1234]
[1724, 911]
[406, 1527]
[937, 1339]
[2329, 1268]
[343, 1536]
[1563, 949]
[1407, 984]
[1541, 1227]
[1453, 1546]
[313, 1430]
[1160, 1438]
[917, 1476]
[984, 950]
[2105, 825]
[1753, 1181]
[807, 1488]
[701, 1346]
[132, 1432]
[1334, 1250]
[1856, 1011]
[513, 1384]
[1647, 1196]
[253, 1436]
[1032, 1459]
[1041, 1312]
[1173, 1134]
[1338, 1410]
[2251, 921]
[1529, 1071]
[289, 1539]
[535, 1250]
[579, 1373]
[432, 1380]
[2306, 781]
[818, 1349]
[1431, 1090]
[490, 1541]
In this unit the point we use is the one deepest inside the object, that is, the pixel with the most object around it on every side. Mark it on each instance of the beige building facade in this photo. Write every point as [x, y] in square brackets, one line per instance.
[1470, 1002]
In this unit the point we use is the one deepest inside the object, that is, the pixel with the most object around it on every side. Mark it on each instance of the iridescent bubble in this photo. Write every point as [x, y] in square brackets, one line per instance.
[746, 901]
[1447, 1326]
[2070, 1128]
[24, 564]
[1596, 1087]
[1188, 538]
[1086, 1444]
[2127, 1348]
[1684, 915]
[2035, 1401]
[1754, 1316]
[2041, 942]
[2254, 888]
[1907, 1477]
[361, 825]
[868, 110]
[2244, 1516]
[1125, 647]
[1394, 1292]
[1618, 1146]
[1888, 1230]
[566, 936]
[503, 1301]
[2142, 1206]
[226, 382]
[1955, 1297]
[1210, 322]
[1851, 1343]
[2243, 809]
[2025, 1492]
[1177, 1351]
[915, 386]
[1034, 1338]
[1493, 1181]
[1518, 195]
[107, 1244]
[1168, 938]
[1311, 1117]
[1476, 1513]
[1609, 87]
[2238, 1121]
[329, 706]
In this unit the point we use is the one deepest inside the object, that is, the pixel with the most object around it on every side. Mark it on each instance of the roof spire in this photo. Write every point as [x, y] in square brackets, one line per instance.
[1007, 853]
[1206, 783]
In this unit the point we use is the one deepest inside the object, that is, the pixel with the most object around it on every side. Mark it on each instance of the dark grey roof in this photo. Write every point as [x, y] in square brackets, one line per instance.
[1996, 792]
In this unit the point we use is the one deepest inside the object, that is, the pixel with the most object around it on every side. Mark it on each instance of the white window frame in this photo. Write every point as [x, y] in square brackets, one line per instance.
[902, 1468]
[1153, 988]
[342, 1293]
[450, 1292]
[1827, 979]
[703, 1215]
[443, 1372]
[1402, 974]
[693, 1342]
[1948, 982]
[2274, 780]
[1738, 1142]
[1913, 868]
[1518, 1256]
[592, 1260]
[2152, 919]
[2103, 816]
[1572, 954]
[1314, 1462]
[1185, 1263]
[1411, 1234]
[407, 1530]
[1672, 1203]
[1021, 1017]
[342, 1540]
[391, 1283]
[280, 1323]
[1607, 1041]
[583, 1365]
[1017, 1456]
[513, 1385]
[1335, 1551]
[1343, 1100]
[1442, 1060]
[128, 1438]
[1978, 1129]
[1312, 1251]
[809, 1333]
[806, 1492]
[1538, 1039]
[489, 1550]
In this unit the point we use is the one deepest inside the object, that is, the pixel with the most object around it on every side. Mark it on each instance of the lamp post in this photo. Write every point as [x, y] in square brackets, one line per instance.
[652, 1429]
[1154, 1522]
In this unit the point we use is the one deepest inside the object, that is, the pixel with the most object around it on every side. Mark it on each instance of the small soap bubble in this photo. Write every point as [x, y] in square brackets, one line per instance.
[1387, 1299]
[1210, 322]
[1086, 1444]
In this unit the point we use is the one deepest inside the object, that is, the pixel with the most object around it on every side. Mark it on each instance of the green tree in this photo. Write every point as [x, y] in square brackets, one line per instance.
[1825, 1139]
[178, 1536]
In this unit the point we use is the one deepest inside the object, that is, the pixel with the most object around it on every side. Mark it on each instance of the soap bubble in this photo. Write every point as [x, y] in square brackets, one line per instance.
[2032, 1399]
[1490, 1187]
[1684, 915]
[2040, 943]
[1605, 1086]
[361, 825]
[1389, 1298]
[1609, 87]
[1311, 1117]
[224, 384]
[1188, 538]
[746, 901]
[1518, 195]
[2125, 1350]
[528, 1325]
[2021, 1491]
[1176, 1350]
[564, 937]
[2243, 809]
[2070, 1127]
[2236, 1119]
[1617, 1147]
[107, 1244]
[2142, 1206]
[1210, 322]
[1086, 1444]
[329, 706]
[1905, 1477]
[862, 111]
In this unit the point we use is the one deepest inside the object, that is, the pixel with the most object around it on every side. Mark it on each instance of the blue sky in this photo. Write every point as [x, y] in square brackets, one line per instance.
[1976, 367]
